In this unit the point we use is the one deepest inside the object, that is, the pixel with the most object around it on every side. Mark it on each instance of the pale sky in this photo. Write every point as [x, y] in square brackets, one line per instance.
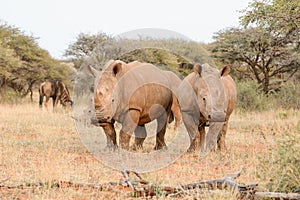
[57, 23]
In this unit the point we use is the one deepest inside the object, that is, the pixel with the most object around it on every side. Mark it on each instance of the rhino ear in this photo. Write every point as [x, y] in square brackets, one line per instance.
[117, 68]
[198, 68]
[92, 70]
[225, 71]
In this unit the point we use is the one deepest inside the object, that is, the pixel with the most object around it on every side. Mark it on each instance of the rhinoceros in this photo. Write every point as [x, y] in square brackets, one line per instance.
[207, 96]
[132, 94]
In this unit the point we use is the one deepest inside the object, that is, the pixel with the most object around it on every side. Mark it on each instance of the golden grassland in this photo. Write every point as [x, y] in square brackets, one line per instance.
[39, 146]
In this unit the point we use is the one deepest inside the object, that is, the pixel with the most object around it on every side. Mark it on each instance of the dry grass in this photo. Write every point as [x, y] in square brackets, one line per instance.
[40, 146]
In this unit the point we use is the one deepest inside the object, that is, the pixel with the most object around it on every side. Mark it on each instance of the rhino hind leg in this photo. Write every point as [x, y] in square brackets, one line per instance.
[160, 132]
[140, 136]
[177, 113]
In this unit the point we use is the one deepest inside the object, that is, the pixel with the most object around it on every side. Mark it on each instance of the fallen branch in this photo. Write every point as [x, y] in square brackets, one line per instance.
[143, 188]
[226, 182]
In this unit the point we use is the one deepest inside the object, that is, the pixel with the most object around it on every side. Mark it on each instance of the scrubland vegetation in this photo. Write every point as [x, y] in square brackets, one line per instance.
[40, 148]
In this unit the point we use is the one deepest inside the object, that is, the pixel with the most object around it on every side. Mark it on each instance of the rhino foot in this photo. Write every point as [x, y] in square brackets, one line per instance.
[136, 147]
[111, 148]
[161, 147]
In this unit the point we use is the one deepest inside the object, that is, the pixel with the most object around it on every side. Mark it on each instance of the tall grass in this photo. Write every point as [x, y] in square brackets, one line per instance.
[250, 98]
[43, 146]
[281, 169]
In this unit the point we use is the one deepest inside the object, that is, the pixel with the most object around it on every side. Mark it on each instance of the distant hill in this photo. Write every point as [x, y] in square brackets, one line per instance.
[152, 33]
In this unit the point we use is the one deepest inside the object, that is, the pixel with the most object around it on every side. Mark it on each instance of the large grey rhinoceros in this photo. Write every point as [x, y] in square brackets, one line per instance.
[207, 95]
[132, 94]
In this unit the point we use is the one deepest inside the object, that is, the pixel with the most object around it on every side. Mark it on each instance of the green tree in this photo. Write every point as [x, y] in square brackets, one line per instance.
[266, 49]
[98, 49]
[8, 64]
[23, 63]
[258, 55]
[281, 18]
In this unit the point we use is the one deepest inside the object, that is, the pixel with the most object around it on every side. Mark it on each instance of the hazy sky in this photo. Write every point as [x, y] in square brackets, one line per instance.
[57, 23]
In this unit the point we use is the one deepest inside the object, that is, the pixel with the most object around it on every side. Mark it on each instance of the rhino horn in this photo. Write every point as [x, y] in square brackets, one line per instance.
[92, 70]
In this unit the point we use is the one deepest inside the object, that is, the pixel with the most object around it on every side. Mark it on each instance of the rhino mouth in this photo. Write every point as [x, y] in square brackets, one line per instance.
[217, 117]
[99, 122]
[102, 119]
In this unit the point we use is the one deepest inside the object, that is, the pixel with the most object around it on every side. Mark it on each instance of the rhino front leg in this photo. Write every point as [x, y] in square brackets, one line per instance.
[191, 123]
[221, 137]
[131, 119]
[110, 135]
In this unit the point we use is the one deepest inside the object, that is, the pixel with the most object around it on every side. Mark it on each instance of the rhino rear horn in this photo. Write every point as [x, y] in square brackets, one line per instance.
[92, 70]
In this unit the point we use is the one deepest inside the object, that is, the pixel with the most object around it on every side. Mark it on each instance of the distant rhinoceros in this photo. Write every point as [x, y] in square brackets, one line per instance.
[132, 94]
[207, 96]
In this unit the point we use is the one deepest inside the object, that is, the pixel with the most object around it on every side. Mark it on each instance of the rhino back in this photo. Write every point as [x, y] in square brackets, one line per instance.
[140, 88]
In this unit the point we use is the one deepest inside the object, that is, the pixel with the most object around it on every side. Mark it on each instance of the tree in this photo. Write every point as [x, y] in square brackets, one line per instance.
[84, 47]
[23, 63]
[260, 56]
[98, 49]
[266, 49]
[281, 18]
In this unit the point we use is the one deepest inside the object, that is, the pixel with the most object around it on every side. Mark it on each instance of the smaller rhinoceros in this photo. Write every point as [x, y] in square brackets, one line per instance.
[207, 96]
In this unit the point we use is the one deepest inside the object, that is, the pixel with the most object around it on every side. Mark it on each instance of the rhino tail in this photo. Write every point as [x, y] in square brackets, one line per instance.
[171, 117]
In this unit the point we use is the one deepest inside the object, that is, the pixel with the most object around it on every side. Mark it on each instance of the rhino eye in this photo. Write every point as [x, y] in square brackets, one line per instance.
[204, 99]
[112, 100]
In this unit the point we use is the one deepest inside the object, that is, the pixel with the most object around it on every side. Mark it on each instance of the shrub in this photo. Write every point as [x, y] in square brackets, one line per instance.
[281, 169]
[288, 96]
[249, 97]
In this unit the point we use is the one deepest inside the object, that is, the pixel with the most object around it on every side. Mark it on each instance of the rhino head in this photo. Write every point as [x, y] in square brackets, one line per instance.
[211, 96]
[105, 83]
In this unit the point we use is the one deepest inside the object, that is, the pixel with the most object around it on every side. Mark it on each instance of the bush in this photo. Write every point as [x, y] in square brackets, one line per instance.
[288, 96]
[251, 98]
[281, 169]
